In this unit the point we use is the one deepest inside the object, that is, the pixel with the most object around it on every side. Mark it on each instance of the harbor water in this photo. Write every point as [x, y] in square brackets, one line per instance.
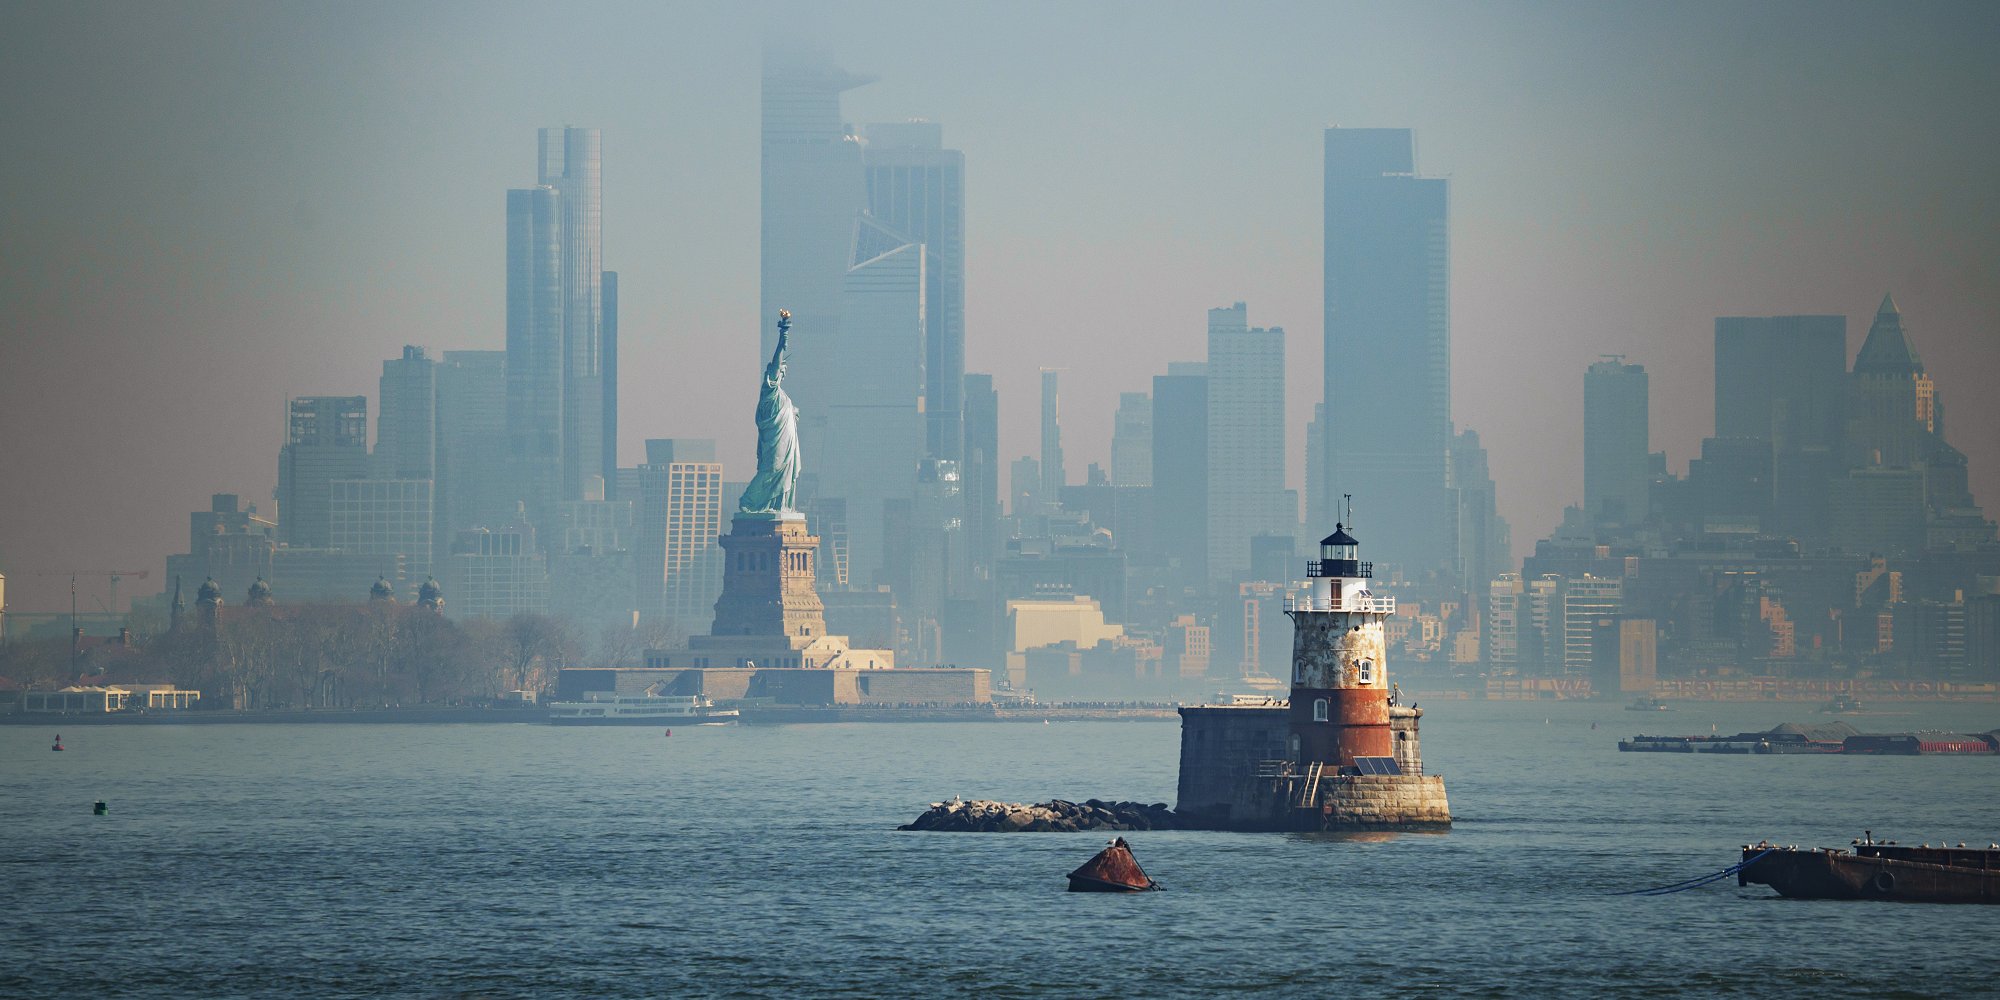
[754, 860]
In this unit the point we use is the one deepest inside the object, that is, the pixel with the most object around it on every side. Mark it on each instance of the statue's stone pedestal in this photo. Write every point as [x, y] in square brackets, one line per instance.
[767, 579]
[769, 614]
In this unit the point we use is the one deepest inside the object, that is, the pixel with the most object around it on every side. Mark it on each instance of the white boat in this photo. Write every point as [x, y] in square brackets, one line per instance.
[606, 708]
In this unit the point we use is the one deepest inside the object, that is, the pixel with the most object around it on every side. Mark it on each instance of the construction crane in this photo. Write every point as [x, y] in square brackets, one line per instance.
[115, 575]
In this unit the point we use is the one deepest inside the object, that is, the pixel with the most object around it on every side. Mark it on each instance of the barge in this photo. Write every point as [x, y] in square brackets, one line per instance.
[1830, 738]
[1877, 870]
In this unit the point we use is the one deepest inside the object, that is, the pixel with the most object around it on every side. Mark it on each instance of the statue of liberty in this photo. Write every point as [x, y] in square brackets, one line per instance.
[777, 438]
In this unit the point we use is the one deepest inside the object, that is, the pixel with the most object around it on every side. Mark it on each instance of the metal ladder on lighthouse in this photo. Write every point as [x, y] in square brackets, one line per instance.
[1309, 790]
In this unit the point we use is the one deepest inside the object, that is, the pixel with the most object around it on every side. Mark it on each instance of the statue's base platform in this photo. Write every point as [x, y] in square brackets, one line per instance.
[820, 652]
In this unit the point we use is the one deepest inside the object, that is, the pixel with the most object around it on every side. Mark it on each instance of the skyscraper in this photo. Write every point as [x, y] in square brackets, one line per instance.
[1617, 456]
[1180, 468]
[385, 517]
[610, 386]
[556, 370]
[1132, 440]
[1319, 511]
[679, 517]
[406, 422]
[473, 487]
[980, 474]
[1246, 440]
[917, 187]
[1893, 401]
[1024, 479]
[326, 439]
[812, 190]
[860, 390]
[1053, 478]
[1783, 380]
[1484, 540]
[572, 163]
[535, 350]
[1388, 342]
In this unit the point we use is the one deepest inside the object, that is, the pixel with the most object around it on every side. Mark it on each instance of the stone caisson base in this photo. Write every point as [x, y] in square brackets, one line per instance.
[1383, 802]
[1413, 802]
[1236, 775]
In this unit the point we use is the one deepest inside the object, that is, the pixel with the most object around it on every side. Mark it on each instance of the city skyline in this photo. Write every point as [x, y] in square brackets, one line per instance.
[271, 329]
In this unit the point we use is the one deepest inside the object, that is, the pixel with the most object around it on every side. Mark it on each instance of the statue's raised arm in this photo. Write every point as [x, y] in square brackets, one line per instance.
[773, 491]
[775, 371]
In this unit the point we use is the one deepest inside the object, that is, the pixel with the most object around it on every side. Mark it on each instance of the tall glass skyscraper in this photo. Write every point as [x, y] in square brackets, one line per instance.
[980, 473]
[1180, 469]
[1617, 452]
[1246, 440]
[535, 346]
[1388, 344]
[609, 362]
[812, 193]
[557, 324]
[917, 187]
[861, 391]
[571, 161]
[1053, 476]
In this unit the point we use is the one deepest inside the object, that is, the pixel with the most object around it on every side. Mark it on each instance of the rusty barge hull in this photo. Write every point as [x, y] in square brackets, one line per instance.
[1913, 875]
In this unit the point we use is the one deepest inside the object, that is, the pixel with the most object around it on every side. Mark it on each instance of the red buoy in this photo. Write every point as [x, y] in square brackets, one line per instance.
[1112, 870]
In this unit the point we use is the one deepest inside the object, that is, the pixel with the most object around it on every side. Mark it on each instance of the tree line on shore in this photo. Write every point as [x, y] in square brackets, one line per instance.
[331, 656]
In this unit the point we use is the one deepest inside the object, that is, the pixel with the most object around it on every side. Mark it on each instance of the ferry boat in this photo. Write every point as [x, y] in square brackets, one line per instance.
[606, 708]
[1845, 704]
[1648, 705]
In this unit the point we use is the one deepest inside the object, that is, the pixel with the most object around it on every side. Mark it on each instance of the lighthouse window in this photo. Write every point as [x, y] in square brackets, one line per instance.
[1366, 671]
[1319, 709]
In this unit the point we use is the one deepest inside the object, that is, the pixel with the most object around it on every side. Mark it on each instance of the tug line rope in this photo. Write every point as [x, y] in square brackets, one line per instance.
[1699, 881]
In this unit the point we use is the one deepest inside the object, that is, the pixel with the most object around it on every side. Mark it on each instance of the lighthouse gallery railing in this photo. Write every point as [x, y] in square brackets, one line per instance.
[1370, 605]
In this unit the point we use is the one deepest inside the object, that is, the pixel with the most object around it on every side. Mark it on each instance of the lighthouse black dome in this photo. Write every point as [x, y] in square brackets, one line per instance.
[1337, 557]
[1339, 537]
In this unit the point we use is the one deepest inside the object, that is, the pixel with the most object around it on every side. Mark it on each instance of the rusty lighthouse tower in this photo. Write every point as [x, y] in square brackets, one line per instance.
[1341, 754]
[1340, 678]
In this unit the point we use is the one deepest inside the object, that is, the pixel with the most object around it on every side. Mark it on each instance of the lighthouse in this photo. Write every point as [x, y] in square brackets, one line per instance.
[1338, 755]
[1340, 679]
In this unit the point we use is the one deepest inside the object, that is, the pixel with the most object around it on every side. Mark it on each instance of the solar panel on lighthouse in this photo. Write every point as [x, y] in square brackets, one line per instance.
[1377, 765]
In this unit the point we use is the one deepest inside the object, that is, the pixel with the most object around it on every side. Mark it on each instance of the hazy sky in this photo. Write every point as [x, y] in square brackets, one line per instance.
[211, 207]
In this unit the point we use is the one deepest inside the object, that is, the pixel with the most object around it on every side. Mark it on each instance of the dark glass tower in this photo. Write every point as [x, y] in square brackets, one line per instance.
[1388, 428]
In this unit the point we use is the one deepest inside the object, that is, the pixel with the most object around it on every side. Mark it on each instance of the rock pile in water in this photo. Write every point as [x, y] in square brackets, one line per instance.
[1053, 816]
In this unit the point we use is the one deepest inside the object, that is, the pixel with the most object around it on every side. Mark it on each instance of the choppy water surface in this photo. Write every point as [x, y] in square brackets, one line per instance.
[511, 860]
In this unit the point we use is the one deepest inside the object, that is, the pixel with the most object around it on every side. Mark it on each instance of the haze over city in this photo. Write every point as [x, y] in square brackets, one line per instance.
[795, 499]
[217, 207]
